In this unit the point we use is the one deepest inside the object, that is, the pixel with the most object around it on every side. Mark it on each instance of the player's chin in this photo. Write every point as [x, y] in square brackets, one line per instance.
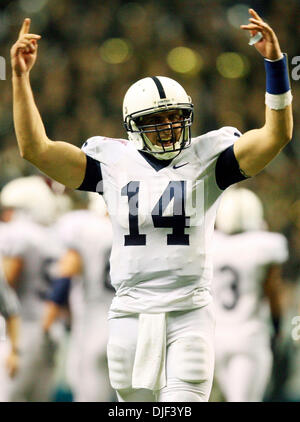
[166, 144]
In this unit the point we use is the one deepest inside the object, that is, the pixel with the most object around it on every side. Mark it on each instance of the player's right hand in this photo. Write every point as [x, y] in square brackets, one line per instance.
[24, 52]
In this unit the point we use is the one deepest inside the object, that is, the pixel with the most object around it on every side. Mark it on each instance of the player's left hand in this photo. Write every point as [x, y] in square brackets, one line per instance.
[12, 364]
[268, 46]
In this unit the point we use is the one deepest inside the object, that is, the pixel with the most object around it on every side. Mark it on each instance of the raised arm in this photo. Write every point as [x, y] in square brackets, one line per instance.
[256, 148]
[61, 161]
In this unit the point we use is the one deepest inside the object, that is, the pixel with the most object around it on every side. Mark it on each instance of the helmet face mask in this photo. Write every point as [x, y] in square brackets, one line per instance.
[170, 136]
[157, 123]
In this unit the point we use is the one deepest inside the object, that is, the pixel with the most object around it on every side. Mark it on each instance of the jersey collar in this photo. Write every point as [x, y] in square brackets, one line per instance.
[154, 162]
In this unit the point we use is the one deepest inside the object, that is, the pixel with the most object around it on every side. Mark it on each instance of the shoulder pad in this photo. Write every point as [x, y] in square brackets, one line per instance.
[210, 145]
[104, 149]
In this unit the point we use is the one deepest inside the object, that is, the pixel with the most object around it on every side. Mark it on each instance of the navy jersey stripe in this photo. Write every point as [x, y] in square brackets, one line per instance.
[227, 169]
[155, 162]
[93, 181]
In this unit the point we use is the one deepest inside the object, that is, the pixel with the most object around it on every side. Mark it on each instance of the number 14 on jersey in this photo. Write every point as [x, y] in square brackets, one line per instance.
[177, 221]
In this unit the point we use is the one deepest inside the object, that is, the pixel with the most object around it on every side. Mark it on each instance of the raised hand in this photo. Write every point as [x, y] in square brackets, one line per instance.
[24, 52]
[268, 46]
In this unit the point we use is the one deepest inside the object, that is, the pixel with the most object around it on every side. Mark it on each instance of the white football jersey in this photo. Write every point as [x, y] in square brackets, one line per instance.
[91, 236]
[9, 304]
[163, 216]
[37, 248]
[241, 262]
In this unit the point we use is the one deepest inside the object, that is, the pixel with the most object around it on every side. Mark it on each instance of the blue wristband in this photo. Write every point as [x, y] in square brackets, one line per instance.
[277, 77]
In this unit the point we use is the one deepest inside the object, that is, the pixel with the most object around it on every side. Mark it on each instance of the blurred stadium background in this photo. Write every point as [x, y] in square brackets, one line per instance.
[92, 51]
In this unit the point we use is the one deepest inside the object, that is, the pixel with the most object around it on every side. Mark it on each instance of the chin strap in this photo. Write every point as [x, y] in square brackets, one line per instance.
[158, 151]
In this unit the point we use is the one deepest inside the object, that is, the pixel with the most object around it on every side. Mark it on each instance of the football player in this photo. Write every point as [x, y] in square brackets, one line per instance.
[247, 293]
[285, 385]
[82, 285]
[28, 250]
[9, 351]
[162, 190]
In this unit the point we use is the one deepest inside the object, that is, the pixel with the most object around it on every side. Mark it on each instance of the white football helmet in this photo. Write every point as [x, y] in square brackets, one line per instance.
[155, 95]
[240, 210]
[33, 196]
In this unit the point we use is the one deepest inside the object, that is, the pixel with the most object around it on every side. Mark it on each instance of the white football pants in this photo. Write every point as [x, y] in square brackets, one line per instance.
[189, 356]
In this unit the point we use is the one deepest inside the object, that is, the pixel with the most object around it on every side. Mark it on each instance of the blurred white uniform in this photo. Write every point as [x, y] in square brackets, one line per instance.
[243, 324]
[287, 378]
[91, 236]
[9, 305]
[34, 244]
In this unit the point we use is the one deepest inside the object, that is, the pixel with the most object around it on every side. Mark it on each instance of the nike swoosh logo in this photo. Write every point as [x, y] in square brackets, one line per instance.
[181, 165]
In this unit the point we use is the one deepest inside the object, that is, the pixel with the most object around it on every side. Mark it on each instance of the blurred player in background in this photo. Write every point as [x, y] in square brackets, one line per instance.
[161, 342]
[285, 384]
[84, 286]
[247, 290]
[28, 250]
[9, 350]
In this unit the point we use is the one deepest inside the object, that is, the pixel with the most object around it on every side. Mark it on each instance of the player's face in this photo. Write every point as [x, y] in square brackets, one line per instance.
[163, 134]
